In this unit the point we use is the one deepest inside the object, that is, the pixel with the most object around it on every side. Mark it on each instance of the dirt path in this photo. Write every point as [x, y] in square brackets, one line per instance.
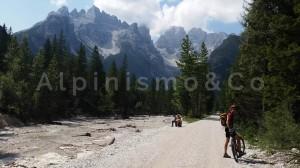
[195, 145]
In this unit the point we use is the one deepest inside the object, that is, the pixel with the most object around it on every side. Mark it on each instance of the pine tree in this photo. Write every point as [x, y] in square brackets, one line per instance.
[122, 92]
[26, 58]
[38, 67]
[134, 97]
[58, 107]
[53, 73]
[152, 99]
[62, 54]
[203, 57]
[113, 72]
[4, 42]
[19, 72]
[82, 62]
[9, 98]
[204, 95]
[97, 67]
[187, 60]
[47, 49]
[187, 66]
[97, 82]
[112, 90]
[41, 110]
[54, 45]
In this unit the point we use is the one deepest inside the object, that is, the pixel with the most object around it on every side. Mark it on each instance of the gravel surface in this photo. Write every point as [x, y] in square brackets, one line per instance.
[141, 142]
[193, 146]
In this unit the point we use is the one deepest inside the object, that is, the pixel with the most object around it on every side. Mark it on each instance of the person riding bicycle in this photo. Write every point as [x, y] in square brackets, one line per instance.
[230, 132]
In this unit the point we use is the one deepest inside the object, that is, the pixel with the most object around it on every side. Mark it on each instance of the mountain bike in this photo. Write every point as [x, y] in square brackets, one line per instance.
[234, 145]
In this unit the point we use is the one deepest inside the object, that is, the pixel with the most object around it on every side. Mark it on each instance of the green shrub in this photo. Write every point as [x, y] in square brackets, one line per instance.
[281, 131]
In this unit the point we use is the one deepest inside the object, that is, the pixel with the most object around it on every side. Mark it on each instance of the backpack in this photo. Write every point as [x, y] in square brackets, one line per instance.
[223, 119]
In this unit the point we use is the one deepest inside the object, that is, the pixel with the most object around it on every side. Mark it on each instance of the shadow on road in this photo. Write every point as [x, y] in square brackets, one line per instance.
[6, 134]
[8, 157]
[252, 161]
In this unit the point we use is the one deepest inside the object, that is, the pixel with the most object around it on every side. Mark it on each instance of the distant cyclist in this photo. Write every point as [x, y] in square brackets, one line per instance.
[229, 131]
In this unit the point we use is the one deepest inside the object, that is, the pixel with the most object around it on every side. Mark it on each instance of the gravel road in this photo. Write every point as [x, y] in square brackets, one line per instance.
[195, 145]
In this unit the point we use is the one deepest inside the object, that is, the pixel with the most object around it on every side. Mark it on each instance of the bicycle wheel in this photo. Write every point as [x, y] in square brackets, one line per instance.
[234, 149]
[243, 146]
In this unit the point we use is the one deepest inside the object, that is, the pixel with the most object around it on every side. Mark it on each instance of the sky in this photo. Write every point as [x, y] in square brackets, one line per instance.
[158, 15]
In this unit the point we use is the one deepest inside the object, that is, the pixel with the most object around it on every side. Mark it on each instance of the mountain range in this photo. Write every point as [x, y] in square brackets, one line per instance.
[223, 57]
[116, 38]
[95, 28]
[169, 43]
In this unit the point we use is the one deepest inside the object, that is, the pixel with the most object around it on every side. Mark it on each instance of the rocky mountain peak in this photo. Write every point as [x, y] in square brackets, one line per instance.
[134, 27]
[74, 13]
[176, 30]
[82, 12]
[93, 12]
[197, 35]
[63, 11]
[113, 37]
[169, 43]
[145, 32]
[171, 39]
[197, 30]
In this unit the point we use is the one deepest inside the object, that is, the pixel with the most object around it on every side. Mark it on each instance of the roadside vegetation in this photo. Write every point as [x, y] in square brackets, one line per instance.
[270, 50]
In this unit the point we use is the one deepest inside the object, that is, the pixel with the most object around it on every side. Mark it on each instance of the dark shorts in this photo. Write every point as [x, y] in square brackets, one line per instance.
[227, 133]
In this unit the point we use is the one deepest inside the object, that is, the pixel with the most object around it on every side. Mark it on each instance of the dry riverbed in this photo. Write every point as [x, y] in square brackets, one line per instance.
[52, 145]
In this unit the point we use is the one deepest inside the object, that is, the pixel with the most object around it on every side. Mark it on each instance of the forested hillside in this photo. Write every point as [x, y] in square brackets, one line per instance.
[223, 57]
[51, 84]
[23, 97]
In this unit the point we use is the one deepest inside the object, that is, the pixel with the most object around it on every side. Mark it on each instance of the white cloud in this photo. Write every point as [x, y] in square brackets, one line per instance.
[58, 2]
[187, 13]
[141, 11]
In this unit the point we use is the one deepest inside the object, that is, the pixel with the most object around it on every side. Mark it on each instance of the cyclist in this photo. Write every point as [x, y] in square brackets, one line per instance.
[229, 130]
